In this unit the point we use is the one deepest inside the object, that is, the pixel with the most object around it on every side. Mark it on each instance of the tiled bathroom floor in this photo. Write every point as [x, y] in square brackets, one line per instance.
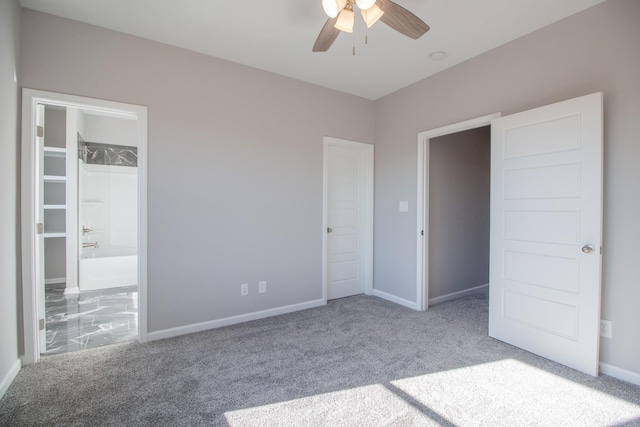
[90, 319]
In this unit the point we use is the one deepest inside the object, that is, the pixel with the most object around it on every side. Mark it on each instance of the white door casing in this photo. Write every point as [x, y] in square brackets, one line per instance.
[31, 203]
[546, 209]
[348, 219]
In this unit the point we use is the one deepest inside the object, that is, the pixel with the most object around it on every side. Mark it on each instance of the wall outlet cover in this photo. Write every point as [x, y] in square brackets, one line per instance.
[244, 289]
[262, 287]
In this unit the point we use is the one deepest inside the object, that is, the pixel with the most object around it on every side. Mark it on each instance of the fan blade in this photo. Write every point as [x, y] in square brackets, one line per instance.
[401, 20]
[327, 36]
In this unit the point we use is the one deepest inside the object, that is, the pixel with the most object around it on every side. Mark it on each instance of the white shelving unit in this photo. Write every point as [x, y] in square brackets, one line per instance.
[55, 178]
[52, 154]
[54, 234]
[60, 197]
[55, 152]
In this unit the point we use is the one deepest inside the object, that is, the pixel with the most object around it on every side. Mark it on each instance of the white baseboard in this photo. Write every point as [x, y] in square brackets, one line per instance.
[198, 327]
[8, 379]
[409, 304]
[71, 291]
[55, 280]
[455, 295]
[619, 373]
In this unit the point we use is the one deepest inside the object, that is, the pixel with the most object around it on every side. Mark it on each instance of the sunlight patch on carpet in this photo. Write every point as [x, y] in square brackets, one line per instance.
[369, 405]
[510, 392]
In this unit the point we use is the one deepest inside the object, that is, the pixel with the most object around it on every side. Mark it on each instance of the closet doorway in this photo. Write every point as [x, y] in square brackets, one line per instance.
[459, 181]
[468, 235]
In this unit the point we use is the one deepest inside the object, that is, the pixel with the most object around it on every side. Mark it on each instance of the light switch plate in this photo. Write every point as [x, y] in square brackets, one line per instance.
[403, 207]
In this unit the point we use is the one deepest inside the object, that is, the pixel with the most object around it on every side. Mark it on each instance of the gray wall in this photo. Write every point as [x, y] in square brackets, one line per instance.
[459, 177]
[235, 164]
[110, 130]
[595, 50]
[55, 127]
[9, 120]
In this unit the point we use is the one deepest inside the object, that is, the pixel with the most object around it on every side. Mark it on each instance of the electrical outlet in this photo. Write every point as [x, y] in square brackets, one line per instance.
[606, 328]
[262, 287]
[244, 289]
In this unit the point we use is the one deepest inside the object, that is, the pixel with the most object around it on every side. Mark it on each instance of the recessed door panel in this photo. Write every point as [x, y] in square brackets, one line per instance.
[543, 182]
[555, 272]
[559, 319]
[533, 139]
[557, 227]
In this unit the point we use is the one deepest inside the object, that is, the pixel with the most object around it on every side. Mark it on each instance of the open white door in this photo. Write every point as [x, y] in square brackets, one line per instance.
[546, 231]
[39, 253]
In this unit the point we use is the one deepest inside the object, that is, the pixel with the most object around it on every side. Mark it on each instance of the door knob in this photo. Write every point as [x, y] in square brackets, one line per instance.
[329, 230]
[587, 249]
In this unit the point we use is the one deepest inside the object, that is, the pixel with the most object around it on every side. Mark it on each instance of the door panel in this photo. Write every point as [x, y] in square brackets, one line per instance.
[546, 204]
[347, 242]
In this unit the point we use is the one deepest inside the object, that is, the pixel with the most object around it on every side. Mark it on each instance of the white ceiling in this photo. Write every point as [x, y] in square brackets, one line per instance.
[277, 36]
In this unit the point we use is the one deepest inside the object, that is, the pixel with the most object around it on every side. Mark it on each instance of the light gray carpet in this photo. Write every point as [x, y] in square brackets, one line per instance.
[358, 361]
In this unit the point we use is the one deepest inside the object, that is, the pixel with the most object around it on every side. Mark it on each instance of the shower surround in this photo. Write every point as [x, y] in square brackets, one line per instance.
[108, 216]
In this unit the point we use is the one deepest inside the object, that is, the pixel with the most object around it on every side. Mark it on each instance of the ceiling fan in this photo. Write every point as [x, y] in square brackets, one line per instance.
[341, 18]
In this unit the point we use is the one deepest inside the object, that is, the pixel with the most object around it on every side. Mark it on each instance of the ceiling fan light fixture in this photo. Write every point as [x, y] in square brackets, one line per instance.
[333, 7]
[365, 4]
[345, 20]
[371, 15]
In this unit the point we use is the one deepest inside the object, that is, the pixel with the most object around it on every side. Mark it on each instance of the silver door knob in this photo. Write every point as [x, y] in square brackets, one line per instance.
[329, 230]
[587, 249]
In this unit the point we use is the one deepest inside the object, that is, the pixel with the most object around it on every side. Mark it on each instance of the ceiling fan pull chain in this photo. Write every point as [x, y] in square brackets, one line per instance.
[354, 43]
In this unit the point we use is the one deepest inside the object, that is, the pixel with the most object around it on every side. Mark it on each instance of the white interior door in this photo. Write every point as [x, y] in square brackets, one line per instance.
[39, 253]
[546, 231]
[348, 197]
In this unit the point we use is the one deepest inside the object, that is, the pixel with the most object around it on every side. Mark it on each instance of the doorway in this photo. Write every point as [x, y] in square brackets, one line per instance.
[545, 228]
[423, 208]
[84, 222]
[458, 246]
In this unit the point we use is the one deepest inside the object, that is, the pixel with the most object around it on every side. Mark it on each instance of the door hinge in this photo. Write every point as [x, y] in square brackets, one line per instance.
[601, 250]
[39, 228]
[41, 324]
[422, 233]
[39, 131]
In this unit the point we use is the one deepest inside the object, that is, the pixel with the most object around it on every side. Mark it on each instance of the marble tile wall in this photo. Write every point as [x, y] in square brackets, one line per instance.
[107, 154]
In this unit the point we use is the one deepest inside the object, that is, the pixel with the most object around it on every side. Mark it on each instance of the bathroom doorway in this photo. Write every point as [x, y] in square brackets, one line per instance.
[84, 188]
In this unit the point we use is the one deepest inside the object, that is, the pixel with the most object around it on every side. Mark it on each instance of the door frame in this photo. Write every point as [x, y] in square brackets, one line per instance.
[422, 204]
[368, 202]
[30, 99]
